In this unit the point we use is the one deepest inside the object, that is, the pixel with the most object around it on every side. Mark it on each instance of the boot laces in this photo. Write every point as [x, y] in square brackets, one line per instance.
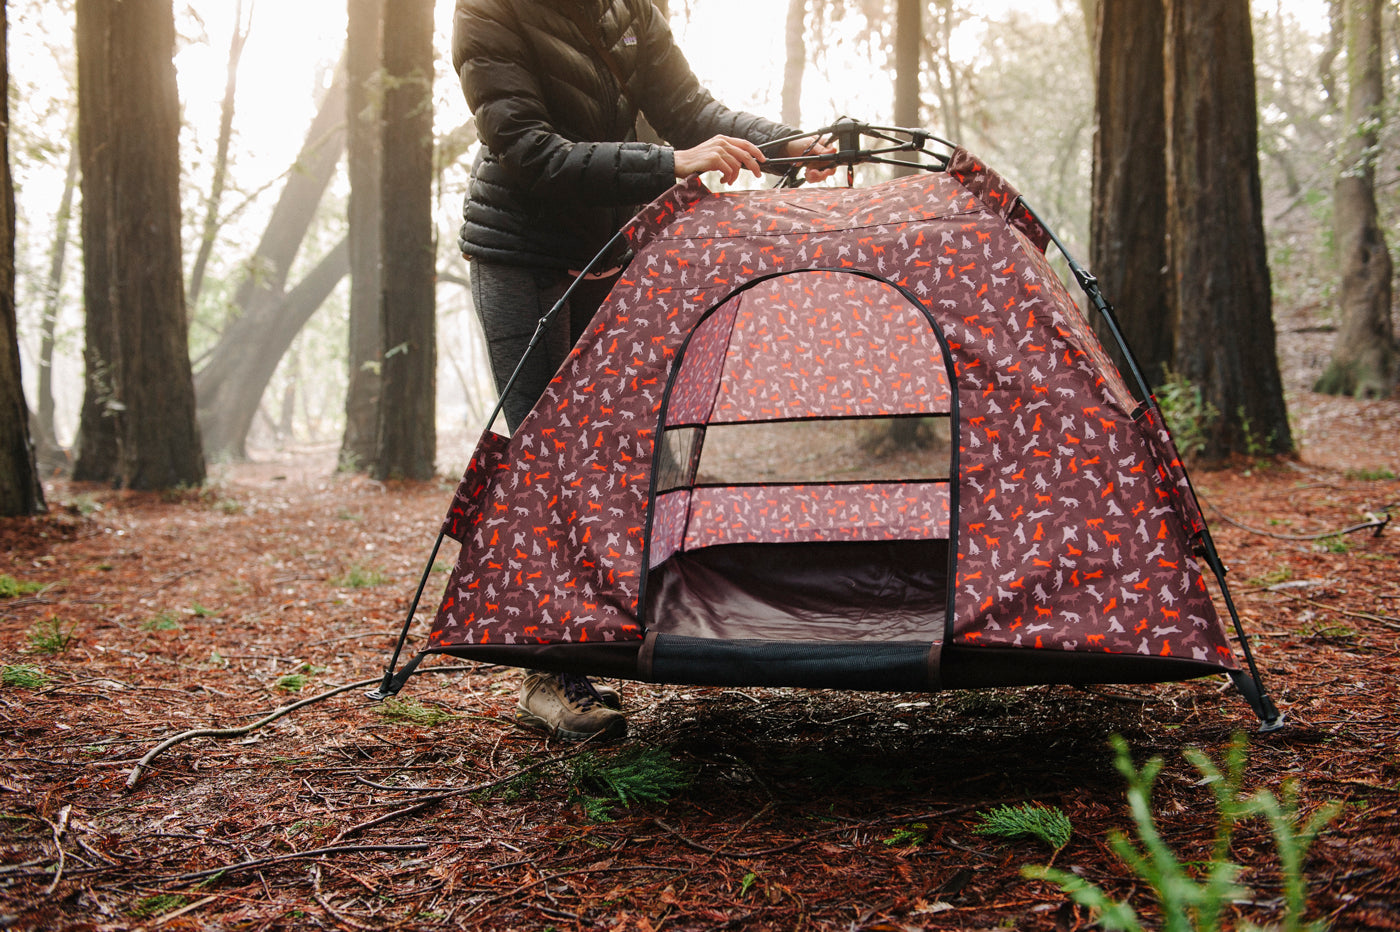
[579, 691]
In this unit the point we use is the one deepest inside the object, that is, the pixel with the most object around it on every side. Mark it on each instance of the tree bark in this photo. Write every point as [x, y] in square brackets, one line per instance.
[1225, 338]
[158, 437]
[407, 435]
[20, 492]
[794, 62]
[364, 31]
[1128, 214]
[220, 383]
[283, 321]
[96, 455]
[58, 257]
[903, 433]
[1365, 358]
[944, 68]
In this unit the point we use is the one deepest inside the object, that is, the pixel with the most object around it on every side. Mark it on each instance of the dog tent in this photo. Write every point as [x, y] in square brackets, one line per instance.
[691, 501]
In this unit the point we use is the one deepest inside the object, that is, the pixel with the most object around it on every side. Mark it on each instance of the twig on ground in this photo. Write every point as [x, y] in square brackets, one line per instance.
[320, 898]
[58, 829]
[170, 742]
[1377, 521]
[806, 839]
[1386, 620]
[279, 858]
[430, 801]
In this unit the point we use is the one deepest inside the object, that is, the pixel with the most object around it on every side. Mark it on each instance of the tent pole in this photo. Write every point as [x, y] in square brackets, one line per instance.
[392, 682]
[544, 322]
[1251, 686]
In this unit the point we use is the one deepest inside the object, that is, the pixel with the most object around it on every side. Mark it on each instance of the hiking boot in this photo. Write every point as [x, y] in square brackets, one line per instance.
[568, 706]
[610, 696]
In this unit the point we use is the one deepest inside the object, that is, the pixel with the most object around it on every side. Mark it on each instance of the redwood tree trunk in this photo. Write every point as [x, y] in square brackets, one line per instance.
[58, 258]
[363, 36]
[1128, 218]
[20, 492]
[407, 436]
[1225, 339]
[1364, 359]
[96, 459]
[158, 437]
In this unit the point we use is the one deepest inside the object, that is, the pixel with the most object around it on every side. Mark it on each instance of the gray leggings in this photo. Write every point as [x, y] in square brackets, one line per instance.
[510, 301]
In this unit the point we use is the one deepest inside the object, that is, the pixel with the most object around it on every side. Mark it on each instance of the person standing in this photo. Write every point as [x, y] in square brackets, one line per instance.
[556, 87]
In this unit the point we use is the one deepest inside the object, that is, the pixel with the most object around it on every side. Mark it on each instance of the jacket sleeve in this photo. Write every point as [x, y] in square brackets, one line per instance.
[512, 119]
[677, 105]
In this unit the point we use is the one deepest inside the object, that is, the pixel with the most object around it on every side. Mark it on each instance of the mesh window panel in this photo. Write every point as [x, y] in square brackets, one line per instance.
[826, 451]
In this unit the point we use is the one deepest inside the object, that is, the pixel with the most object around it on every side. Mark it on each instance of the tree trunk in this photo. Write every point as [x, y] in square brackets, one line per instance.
[1364, 359]
[1225, 338]
[407, 435]
[795, 62]
[96, 458]
[908, 40]
[216, 185]
[364, 33]
[284, 321]
[220, 384]
[58, 257]
[944, 68]
[158, 437]
[20, 492]
[1128, 217]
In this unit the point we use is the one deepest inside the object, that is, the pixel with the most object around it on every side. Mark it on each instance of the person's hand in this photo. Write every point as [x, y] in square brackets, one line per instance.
[806, 146]
[724, 154]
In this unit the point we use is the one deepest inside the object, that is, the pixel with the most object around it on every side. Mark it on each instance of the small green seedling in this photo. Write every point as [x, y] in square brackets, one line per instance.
[1045, 823]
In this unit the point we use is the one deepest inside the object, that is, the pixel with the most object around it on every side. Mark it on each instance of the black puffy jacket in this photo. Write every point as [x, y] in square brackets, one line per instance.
[561, 169]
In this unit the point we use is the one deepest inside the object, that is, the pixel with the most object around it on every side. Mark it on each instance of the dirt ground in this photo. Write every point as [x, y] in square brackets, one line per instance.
[790, 809]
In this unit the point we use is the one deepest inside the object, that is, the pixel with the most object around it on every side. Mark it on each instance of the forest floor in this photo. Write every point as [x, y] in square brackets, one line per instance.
[788, 809]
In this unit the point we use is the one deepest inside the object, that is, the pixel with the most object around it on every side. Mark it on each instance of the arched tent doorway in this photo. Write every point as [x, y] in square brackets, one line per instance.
[783, 530]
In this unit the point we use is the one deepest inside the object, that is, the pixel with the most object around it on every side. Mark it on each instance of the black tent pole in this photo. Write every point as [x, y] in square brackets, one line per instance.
[392, 682]
[1252, 685]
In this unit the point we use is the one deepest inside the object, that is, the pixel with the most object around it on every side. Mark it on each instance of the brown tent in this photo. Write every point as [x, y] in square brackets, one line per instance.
[693, 500]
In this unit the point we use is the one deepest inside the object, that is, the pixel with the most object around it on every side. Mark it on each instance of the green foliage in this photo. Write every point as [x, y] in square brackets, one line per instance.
[83, 504]
[11, 587]
[908, 836]
[164, 621]
[1337, 543]
[25, 676]
[1370, 475]
[291, 683]
[296, 682]
[149, 906]
[1192, 898]
[1046, 823]
[1280, 575]
[51, 636]
[1255, 446]
[1187, 412]
[412, 712]
[359, 576]
[640, 775]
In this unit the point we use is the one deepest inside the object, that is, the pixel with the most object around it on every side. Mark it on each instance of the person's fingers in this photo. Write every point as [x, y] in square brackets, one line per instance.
[725, 154]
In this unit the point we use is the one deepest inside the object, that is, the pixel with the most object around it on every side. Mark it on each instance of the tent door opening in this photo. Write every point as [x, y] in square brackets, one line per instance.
[800, 530]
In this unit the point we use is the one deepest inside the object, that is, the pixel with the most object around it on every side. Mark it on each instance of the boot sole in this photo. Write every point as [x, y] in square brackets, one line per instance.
[616, 729]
